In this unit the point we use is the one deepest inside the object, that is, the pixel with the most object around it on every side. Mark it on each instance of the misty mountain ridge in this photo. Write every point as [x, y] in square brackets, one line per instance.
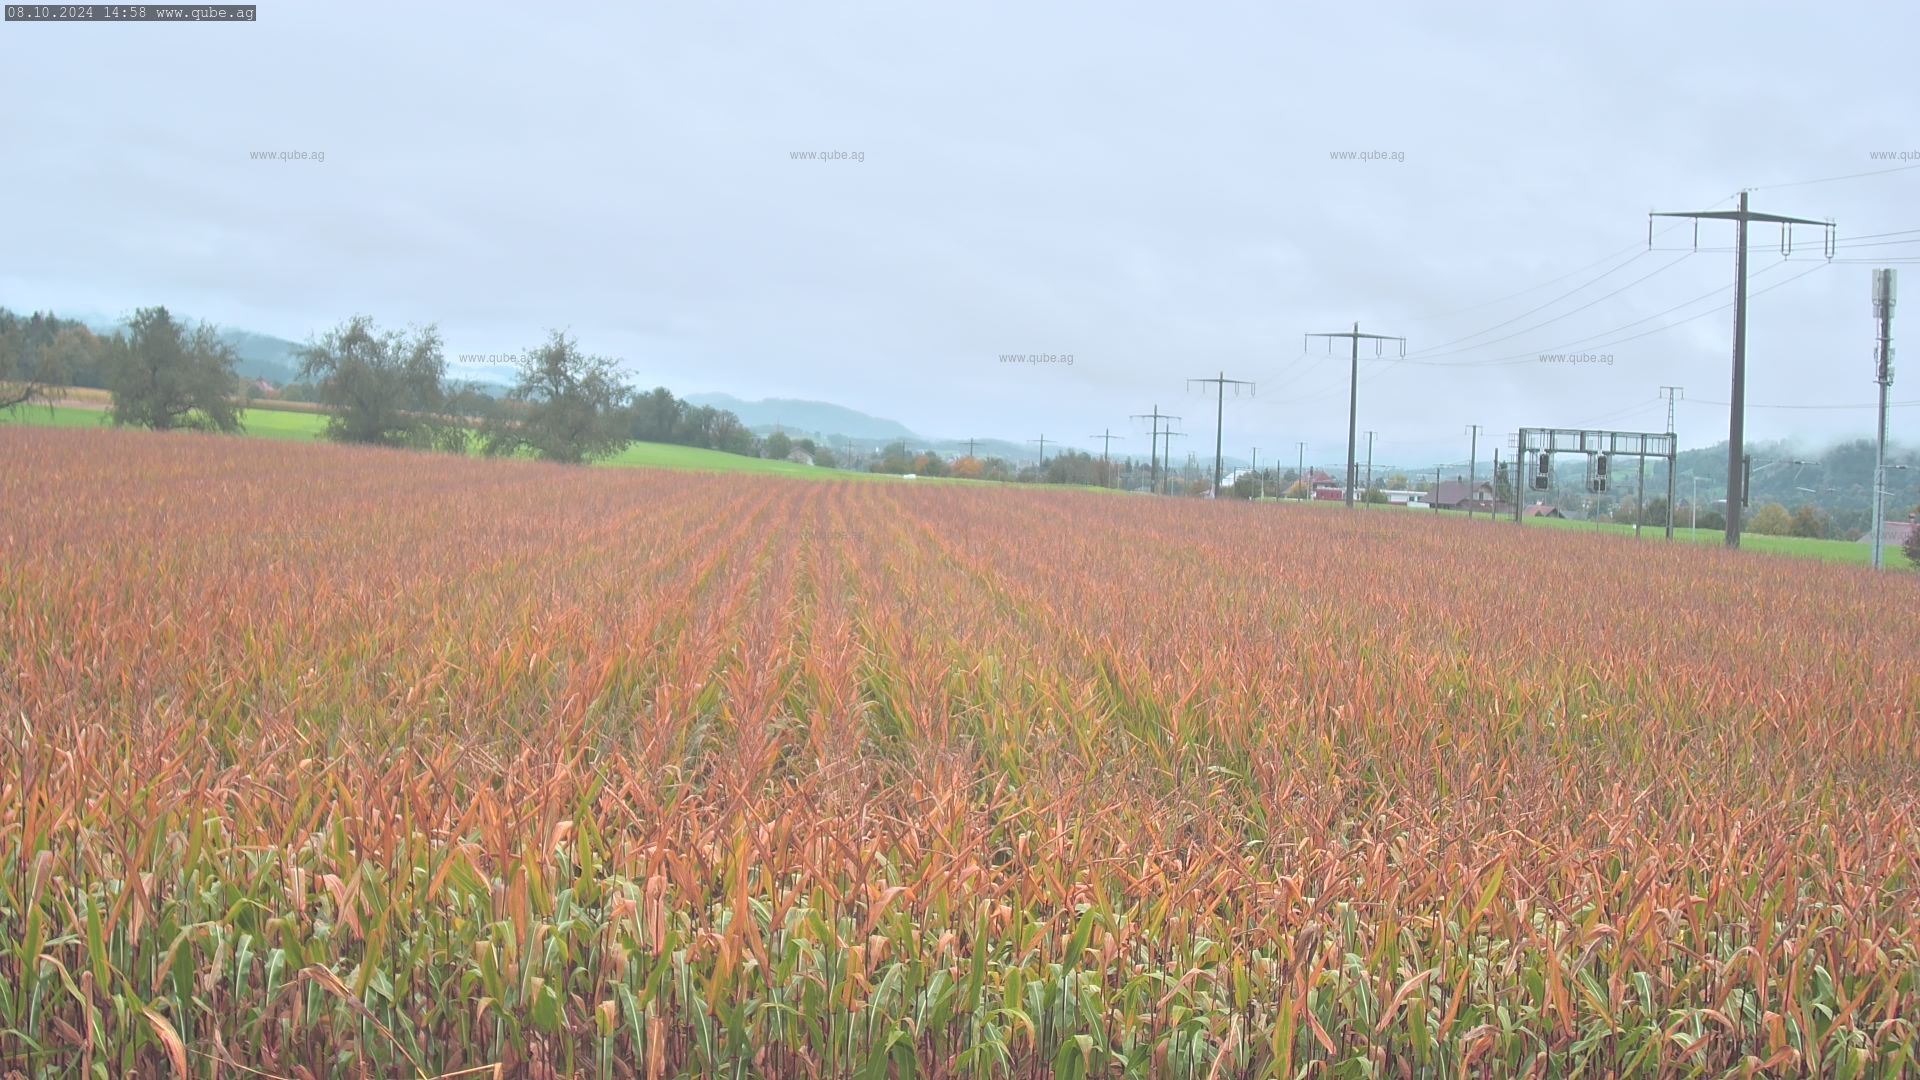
[797, 417]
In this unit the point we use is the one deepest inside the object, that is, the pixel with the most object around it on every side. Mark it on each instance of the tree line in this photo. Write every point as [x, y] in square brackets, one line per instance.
[377, 387]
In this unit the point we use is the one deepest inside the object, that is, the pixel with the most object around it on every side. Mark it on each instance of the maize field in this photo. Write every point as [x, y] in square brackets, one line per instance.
[329, 762]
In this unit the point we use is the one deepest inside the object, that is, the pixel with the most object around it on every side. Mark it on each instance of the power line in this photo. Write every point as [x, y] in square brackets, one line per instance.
[1531, 288]
[1438, 349]
[1582, 341]
[1549, 281]
[1557, 318]
[1832, 179]
[1869, 405]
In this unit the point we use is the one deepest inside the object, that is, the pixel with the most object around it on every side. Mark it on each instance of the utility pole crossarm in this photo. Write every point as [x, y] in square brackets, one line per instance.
[1741, 215]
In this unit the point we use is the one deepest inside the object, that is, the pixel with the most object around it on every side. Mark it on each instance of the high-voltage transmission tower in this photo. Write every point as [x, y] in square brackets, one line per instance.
[1353, 389]
[1737, 413]
[1220, 416]
[1106, 468]
[1672, 394]
[1153, 453]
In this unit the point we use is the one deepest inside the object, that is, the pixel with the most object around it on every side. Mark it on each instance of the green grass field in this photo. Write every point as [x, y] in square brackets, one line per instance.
[1839, 551]
[299, 426]
[259, 423]
[1842, 551]
[270, 423]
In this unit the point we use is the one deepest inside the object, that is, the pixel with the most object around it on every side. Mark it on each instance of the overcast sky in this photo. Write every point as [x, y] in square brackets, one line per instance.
[1148, 188]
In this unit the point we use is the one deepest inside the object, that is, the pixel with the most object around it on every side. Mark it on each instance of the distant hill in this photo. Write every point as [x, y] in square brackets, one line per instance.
[260, 356]
[805, 417]
[263, 356]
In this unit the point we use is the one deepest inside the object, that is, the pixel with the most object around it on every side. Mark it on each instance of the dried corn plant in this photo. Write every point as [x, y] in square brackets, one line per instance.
[332, 762]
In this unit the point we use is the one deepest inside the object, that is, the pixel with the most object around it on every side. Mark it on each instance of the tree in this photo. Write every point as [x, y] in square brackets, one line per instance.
[566, 407]
[1809, 522]
[42, 352]
[75, 357]
[894, 458]
[1770, 520]
[657, 416]
[1374, 495]
[967, 468]
[729, 435]
[20, 381]
[382, 389]
[1912, 548]
[1398, 482]
[778, 445]
[164, 375]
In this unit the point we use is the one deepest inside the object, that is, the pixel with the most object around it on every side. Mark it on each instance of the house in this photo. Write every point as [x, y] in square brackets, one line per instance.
[1893, 533]
[1325, 487]
[1457, 494]
[1542, 510]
